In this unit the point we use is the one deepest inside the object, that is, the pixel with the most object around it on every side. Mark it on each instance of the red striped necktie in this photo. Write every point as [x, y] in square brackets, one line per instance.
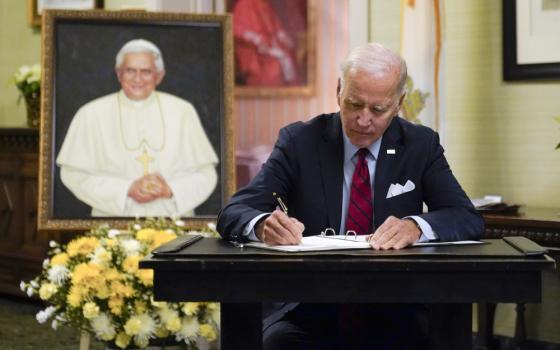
[360, 207]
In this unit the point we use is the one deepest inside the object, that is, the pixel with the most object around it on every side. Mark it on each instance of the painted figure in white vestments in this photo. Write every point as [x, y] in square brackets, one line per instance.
[138, 152]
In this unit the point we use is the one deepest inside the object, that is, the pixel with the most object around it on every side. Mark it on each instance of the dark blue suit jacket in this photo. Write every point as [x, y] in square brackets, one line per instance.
[306, 169]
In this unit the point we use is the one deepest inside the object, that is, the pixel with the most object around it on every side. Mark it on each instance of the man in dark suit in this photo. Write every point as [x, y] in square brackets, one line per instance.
[319, 169]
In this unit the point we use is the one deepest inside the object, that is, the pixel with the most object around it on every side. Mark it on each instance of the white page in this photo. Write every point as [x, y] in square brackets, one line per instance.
[314, 243]
[337, 242]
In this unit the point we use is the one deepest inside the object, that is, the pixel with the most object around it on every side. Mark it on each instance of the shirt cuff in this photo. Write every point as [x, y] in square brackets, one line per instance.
[249, 230]
[427, 233]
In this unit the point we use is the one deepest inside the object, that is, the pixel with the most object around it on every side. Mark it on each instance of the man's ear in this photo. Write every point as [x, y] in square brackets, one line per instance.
[338, 92]
[118, 72]
[160, 77]
[401, 100]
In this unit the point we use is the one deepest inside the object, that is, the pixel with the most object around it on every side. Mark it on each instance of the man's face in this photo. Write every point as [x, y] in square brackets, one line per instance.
[138, 75]
[367, 104]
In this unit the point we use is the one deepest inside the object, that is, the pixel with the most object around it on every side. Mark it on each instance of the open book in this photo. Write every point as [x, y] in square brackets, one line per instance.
[337, 242]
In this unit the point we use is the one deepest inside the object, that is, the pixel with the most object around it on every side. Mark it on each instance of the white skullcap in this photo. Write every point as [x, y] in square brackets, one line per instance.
[140, 45]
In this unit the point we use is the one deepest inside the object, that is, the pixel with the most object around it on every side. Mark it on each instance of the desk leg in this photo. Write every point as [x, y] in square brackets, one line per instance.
[241, 326]
[519, 336]
[485, 339]
[451, 326]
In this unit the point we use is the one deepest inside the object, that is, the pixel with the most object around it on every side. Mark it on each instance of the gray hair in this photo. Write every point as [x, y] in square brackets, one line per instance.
[143, 46]
[376, 59]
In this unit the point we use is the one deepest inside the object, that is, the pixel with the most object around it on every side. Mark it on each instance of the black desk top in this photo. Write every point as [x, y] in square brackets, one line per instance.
[212, 253]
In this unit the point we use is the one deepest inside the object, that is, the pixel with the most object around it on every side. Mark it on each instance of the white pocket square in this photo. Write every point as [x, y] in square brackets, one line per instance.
[397, 189]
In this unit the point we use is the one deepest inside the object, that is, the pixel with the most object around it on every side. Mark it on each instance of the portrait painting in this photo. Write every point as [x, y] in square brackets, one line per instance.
[531, 49]
[36, 7]
[136, 118]
[274, 43]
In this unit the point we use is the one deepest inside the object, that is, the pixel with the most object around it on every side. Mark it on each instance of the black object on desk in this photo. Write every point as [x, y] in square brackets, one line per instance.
[448, 278]
[176, 245]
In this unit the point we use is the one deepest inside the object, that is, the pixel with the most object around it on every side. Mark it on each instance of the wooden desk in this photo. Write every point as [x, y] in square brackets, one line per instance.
[541, 225]
[214, 270]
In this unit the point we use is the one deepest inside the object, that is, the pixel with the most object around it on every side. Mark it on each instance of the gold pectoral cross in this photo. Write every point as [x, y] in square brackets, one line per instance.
[145, 159]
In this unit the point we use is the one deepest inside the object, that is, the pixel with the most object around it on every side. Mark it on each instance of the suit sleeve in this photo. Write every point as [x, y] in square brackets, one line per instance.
[276, 175]
[450, 212]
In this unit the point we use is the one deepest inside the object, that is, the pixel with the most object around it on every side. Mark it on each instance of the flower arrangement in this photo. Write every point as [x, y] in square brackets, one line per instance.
[93, 283]
[28, 80]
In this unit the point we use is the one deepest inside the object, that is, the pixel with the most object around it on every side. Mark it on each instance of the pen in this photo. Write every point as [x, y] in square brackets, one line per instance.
[237, 244]
[280, 203]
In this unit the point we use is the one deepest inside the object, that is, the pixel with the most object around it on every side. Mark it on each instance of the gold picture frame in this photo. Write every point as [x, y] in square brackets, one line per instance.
[34, 17]
[298, 20]
[77, 69]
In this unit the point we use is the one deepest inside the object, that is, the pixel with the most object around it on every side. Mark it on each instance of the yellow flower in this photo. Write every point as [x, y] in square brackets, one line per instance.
[139, 306]
[115, 305]
[146, 276]
[82, 246]
[122, 340]
[130, 264]
[121, 289]
[90, 310]
[161, 332]
[141, 342]
[161, 237]
[102, 292]
[132, 326]
[75, 297]
[47, 290]
[173, 324]
[110, 243]
[190, 308]
[207, 331]
[60, 259]
[113, 274]
[89, 277]
[145, 235]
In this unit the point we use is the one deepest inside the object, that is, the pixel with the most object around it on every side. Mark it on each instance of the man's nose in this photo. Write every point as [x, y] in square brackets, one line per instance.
[364, 117]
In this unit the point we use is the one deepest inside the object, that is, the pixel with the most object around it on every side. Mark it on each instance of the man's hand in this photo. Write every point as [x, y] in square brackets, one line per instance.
[279, 228]
[395, 233]
[149, 187]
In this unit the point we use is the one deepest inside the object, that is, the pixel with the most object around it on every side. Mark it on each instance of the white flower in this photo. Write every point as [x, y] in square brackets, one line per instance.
[101, 256]
[113, 233]
[53, 244]
[212, 226]
[57, 251]
[142, 327]
[22, 73]
[131, 246]
[189, 329]
[103, 327]
[179, 223]
[137, 226]
[54, 324]
[29, 291]
[34, 284]
[58, 274]
[46, 263]
[43, 316]
[22, 286]
[166, 314]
